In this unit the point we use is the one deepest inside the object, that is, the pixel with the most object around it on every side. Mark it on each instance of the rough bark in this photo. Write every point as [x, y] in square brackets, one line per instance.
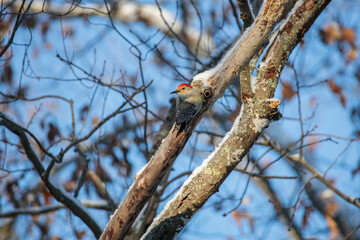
[208, 177]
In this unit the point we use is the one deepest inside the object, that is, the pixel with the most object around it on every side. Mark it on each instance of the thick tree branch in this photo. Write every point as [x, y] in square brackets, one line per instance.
[147, 215]
[208, 177]
[245, 12]
[245, 83]
[217, 79]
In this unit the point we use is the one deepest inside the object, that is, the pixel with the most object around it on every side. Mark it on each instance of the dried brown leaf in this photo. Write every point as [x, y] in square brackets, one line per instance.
[55, 238]
[236, 215]
[48, 45]
[312, 101]
[46, 195]
[22, 91]
[70, 186]
[45, 27]
[337, 90]
[84, 111]
[95, 121]
[305, 220]
[53, 132]
[352, 55]
[80, 234]
[348, 35]
[36, 52]
[68, 31]
[332, 32]
[287, 91]
[239, 215]
[6, 76]
[36, 218]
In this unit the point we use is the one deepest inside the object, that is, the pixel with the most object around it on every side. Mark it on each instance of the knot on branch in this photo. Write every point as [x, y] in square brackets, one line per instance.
[272, 105]
[207, 93]
[246, 97]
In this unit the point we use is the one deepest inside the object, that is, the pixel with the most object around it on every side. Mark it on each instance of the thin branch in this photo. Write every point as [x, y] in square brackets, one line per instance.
[264, 176]
[233, 8]
[296, 158]
[58, 193]
[19, 19]
[125, 12]
[352, 233]
[50, 208]
[83, 172]
[102, 122]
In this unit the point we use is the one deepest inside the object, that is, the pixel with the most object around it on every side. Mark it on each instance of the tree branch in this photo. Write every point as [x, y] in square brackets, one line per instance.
[300, 160]
[283, 213]
[19, 19]
[59, 194]
[217, 79]
[49, 208]
[207, 178]
[126, 12]
[107, 118]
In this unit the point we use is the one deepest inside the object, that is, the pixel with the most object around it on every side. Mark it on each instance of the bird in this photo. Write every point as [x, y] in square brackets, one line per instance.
[188, 104]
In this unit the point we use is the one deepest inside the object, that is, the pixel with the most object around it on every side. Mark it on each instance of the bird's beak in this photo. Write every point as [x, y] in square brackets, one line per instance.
[176, 91]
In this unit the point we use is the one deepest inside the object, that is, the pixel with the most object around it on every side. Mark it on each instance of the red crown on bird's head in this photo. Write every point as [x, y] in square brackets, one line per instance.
[183, 85]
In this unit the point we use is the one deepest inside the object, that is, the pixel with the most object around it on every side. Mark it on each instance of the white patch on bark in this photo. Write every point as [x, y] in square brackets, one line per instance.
[204, 76]
[259, 124]
[253, 81]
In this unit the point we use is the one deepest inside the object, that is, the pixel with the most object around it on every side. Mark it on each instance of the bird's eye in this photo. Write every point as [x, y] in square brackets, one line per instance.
[183, 88]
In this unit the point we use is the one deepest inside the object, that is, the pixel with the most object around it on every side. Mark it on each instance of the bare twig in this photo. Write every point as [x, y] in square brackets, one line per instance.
[352, 232]
[102, 122]
[83, 172]
[55, 190]
[265, 176]
[19, 19]
[126, 12]
[49, 208]
[296, 158]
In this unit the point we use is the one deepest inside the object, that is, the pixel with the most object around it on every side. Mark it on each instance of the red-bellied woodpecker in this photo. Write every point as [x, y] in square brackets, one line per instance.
[188, 104]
